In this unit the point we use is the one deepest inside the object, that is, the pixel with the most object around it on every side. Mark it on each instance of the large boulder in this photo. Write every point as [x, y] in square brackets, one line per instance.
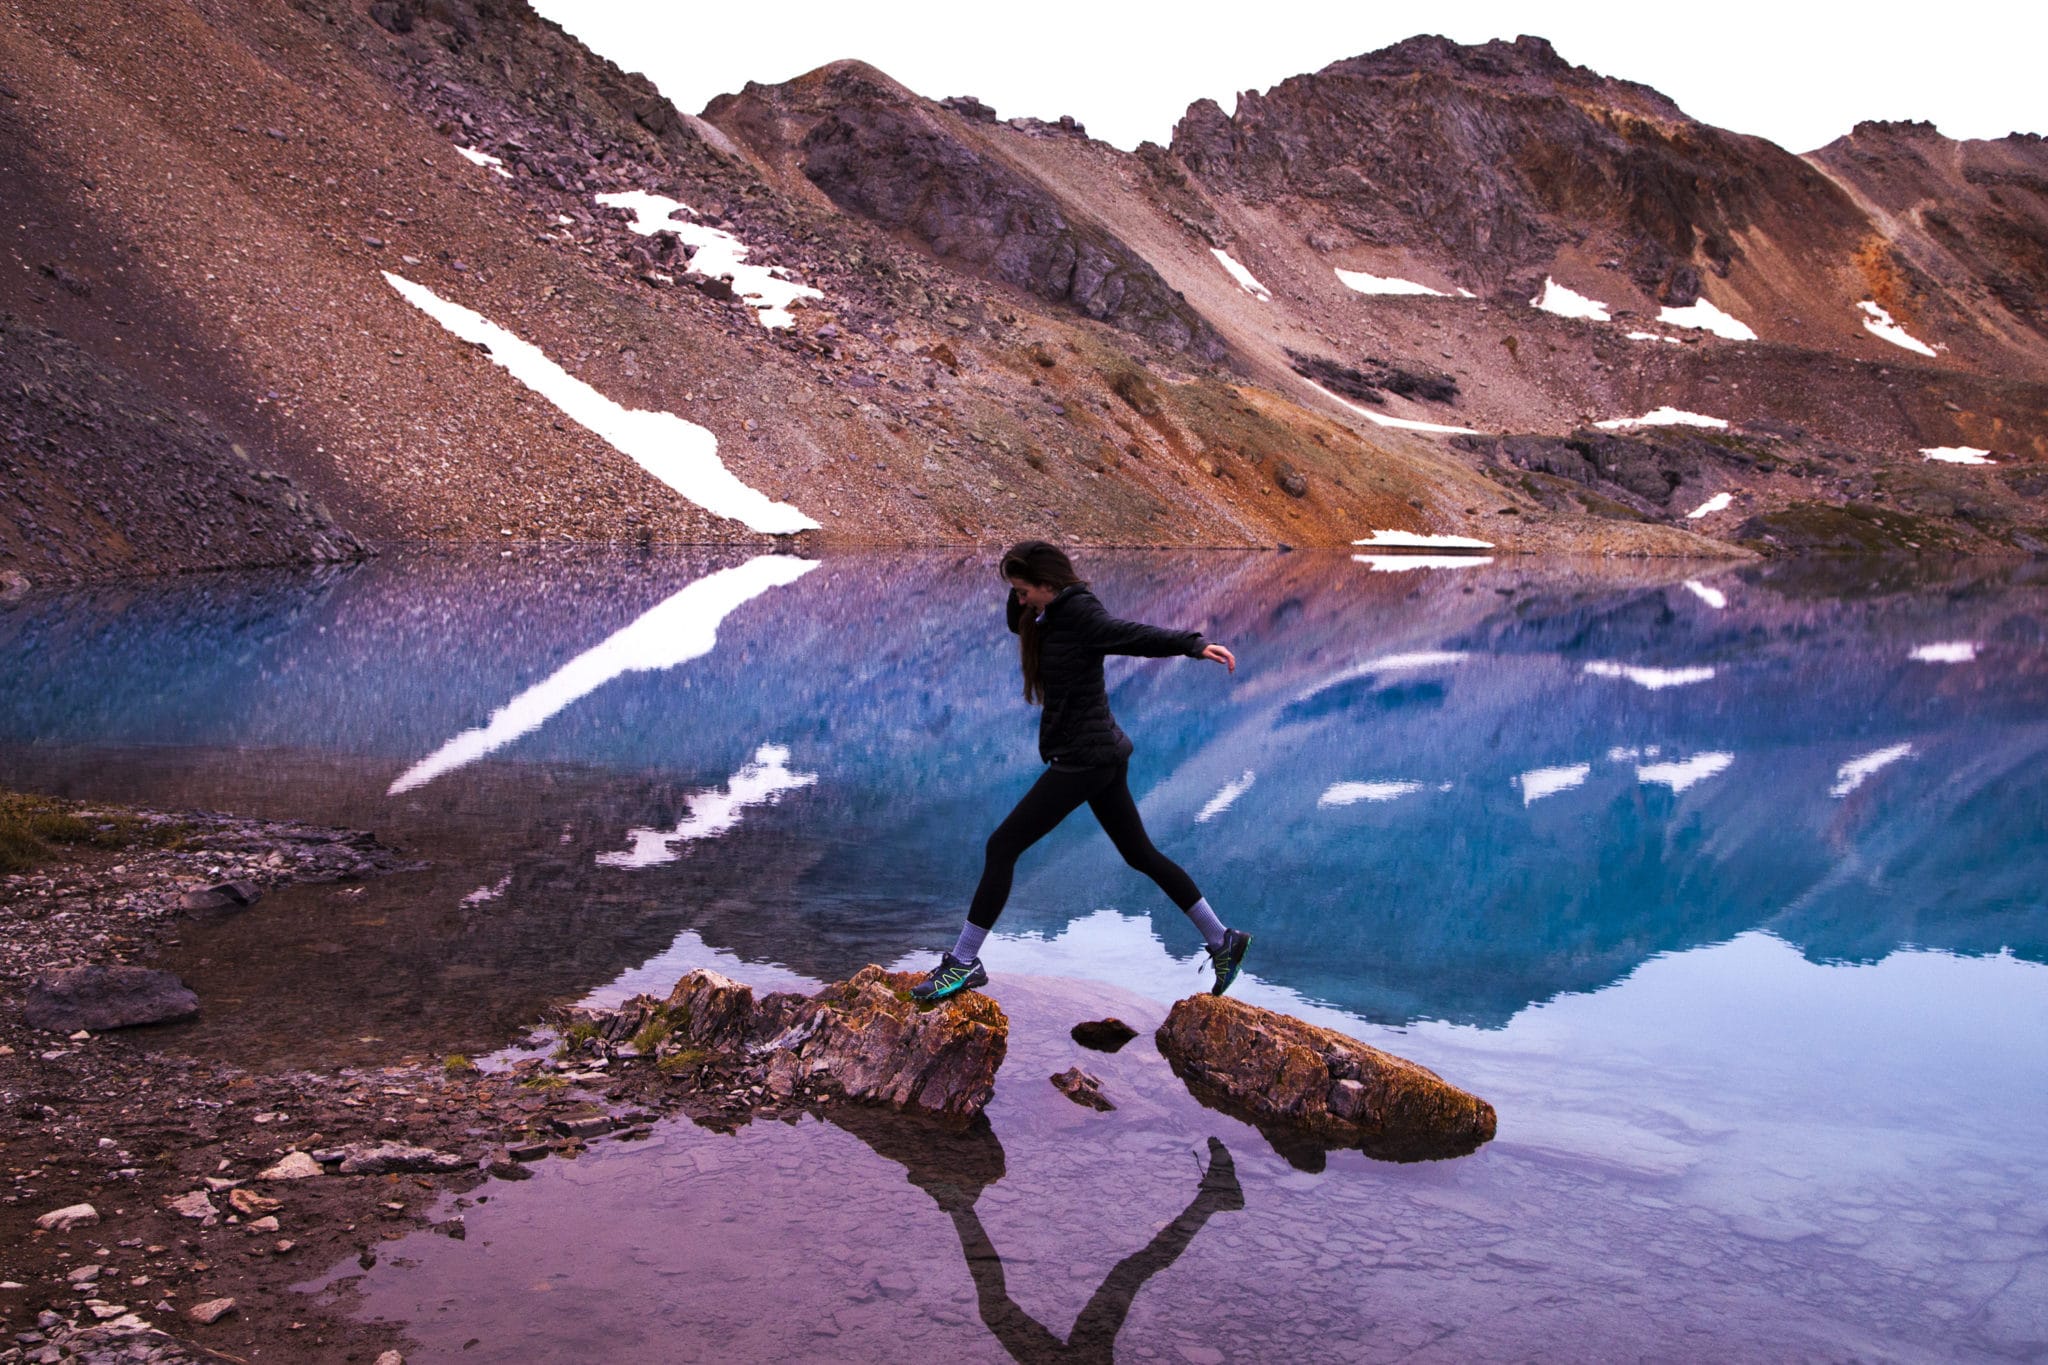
[1312, 1089]
[862, 1039]
[99, 998]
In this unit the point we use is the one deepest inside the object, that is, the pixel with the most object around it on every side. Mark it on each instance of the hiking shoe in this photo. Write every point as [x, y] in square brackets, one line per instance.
[949, 978]
[1227, 959]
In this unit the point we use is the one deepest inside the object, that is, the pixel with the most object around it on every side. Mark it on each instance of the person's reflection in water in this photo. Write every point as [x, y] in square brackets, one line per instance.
[955, 1168]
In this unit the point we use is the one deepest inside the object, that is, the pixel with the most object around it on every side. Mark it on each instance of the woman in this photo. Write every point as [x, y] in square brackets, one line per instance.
[1062, 635]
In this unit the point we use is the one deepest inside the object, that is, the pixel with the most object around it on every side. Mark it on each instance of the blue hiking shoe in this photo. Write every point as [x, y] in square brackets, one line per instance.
[949, 978]
[1227, 958]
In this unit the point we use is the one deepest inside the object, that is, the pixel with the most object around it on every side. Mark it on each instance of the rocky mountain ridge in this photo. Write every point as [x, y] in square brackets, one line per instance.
[1000, 327]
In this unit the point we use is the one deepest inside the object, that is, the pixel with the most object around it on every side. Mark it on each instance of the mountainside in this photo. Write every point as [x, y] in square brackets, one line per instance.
[241, 236]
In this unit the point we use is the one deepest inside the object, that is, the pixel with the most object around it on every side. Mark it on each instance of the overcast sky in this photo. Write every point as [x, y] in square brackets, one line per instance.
[1797, 72]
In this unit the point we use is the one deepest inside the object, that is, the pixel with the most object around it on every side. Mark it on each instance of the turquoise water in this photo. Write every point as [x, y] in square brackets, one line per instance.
[1724, 885]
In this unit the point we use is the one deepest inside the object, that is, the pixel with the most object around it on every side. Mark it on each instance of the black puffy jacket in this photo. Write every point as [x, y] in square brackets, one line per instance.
[1075, 632]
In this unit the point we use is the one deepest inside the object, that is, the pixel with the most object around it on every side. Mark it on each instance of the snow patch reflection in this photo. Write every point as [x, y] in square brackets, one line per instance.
[714, 810]
[1684, 773]
[1656, 679]
[1538, 783]
[1351, 793]
[1226, 798]
[1948, 652]
[1852, 774]
[675, 631]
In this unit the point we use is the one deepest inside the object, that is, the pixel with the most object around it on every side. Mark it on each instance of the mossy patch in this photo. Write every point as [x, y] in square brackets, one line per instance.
[31, 825]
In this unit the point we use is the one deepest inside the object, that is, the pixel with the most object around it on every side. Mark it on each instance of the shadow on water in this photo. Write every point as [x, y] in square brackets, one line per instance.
[955, 1168]
[1436, 794]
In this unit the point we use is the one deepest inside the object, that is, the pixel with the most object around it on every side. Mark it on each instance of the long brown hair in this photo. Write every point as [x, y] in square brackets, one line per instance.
[1046, 566]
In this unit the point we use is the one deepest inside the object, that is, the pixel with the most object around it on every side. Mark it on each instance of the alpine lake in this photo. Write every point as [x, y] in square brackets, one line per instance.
[1726, 884]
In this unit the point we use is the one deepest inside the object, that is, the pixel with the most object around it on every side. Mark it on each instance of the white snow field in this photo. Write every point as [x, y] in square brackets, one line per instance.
[1852, 774]
[1685, 773]
[1880, 324]
[714, 810]
[1958, 455]
[1653, 336]
[1703, 316]
[1712, 505]
[682, 627]
[719, 255]
[1386, 284]
[1242, 276]
[1664, 417]
[681, 454]
[1567, 303]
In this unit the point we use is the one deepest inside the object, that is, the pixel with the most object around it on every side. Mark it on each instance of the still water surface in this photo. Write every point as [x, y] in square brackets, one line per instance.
[1727, 890]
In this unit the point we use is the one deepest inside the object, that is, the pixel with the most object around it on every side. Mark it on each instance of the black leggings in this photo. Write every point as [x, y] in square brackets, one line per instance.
[1052, 798]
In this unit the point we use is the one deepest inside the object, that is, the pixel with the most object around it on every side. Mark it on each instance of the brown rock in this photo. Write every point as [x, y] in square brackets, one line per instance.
[1082, 1088]
[212, 1311]
[862, 1039]
[1310, 1089]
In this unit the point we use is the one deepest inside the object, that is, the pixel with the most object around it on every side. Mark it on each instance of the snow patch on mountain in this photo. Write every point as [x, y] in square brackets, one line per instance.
[1880, 324]
[1242, 276]
[1387, 284]
[681, 454]
[1568, 303]
[1703, 316]
[1958, 455]
[480, 158]
[1383, 540]
[1712, 505]
[718, 255]
[1664, 417]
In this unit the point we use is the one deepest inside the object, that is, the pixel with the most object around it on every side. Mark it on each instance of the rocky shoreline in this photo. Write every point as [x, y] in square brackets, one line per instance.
[165, 1207]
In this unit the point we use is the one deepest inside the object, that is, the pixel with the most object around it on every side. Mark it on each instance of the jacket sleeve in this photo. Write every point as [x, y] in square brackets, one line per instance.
[1105, 634]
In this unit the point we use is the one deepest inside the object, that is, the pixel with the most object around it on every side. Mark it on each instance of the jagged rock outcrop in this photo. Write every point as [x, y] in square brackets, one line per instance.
[1564, 149]
[862, 1040]
[1310, 1089]
[909, 164]
[107, 997]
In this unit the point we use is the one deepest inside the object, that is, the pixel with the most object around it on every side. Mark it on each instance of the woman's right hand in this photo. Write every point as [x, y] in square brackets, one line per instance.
[1218, 654]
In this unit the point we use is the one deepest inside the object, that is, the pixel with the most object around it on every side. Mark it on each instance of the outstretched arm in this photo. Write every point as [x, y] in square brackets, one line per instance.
[1108, 635]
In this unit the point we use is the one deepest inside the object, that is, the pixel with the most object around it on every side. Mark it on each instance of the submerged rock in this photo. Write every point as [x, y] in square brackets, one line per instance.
[99, 998]
[862, 1039]
[1310, 1089]
[1103, 1035]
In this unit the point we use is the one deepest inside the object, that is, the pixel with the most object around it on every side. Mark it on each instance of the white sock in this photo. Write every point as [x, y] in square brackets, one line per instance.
[967, 947]
[1205, 920]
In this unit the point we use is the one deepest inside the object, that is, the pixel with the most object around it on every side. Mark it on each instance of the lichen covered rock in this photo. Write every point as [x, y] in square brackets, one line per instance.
[1310, 1089]
[862, 1040]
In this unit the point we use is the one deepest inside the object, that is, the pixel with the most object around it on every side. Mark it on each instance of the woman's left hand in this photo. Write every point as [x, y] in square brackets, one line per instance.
[1218, 654]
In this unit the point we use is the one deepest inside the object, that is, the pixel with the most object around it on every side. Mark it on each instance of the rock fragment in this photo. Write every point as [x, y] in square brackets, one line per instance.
[69, 1217]
[295, 1166]
[212, 1311]
[1082, 1088]
[107, 997]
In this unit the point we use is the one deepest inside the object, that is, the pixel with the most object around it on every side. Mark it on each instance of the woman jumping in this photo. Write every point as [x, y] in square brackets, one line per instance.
[1062, 635]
